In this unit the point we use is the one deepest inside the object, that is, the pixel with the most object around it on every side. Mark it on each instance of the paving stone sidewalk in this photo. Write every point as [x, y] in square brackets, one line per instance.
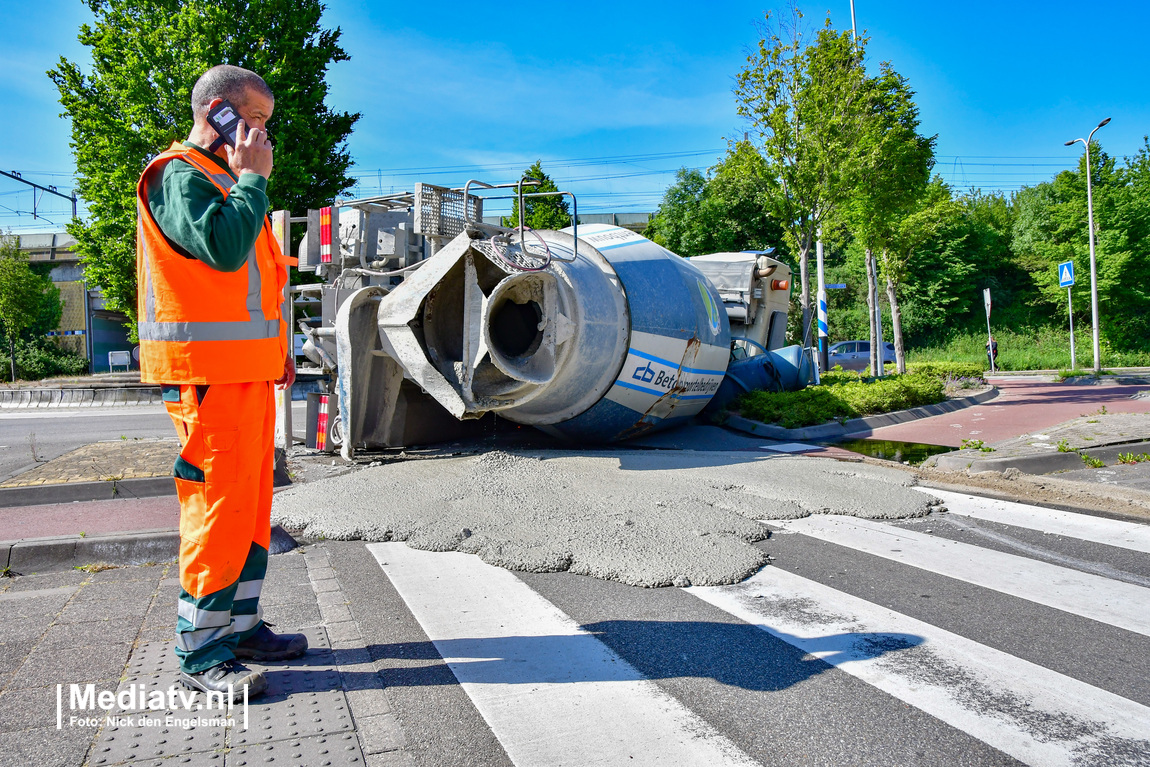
[114, 629]
[132, 458]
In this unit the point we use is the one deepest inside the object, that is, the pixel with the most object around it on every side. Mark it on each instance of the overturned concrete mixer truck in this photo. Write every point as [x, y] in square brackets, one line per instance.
[429, 317]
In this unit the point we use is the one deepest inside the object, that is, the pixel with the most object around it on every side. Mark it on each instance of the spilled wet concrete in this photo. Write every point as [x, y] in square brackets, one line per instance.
[644, 518]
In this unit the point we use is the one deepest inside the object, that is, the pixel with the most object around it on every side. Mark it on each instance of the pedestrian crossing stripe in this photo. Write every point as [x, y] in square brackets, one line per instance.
[1091, 596]
[552, 693]
[1036, 715]
[1110, 532]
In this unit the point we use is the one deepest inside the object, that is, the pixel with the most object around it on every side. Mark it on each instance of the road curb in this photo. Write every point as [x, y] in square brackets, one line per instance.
[1042, 463]
[67, 492]
[62, 552]
[834, 430]
[103, 396]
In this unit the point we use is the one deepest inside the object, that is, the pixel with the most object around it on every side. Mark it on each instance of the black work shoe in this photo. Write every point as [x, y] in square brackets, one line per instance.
[219, 677]
[265, 644]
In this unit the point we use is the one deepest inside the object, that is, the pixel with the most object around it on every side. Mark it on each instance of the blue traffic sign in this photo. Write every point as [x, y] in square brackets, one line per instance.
[1066, 274]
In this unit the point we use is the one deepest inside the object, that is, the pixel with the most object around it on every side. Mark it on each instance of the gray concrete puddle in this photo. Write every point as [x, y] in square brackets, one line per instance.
[640, 517]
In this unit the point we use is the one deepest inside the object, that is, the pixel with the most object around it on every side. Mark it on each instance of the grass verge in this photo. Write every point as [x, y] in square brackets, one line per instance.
[1043, 349]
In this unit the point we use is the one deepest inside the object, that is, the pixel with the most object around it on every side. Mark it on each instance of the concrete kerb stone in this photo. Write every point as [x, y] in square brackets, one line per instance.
[67, 492]
[63, 552]
[1042, 463]
[86, 396]
[831, 431]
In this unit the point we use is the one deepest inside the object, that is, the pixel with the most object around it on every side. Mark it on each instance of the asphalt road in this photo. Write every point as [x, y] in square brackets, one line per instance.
[953, 639]
[41, 434]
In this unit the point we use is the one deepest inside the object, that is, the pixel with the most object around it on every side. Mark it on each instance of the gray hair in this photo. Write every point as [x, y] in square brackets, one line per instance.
[226, 82]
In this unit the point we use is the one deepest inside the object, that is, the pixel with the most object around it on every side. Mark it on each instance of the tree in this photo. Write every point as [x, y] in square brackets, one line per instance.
[541, 212]
[146, 56]
[1050, 227]
[894, 170]
[808, 106]
[932, 216]
[724, 211]
[27, 299]
[678, 224]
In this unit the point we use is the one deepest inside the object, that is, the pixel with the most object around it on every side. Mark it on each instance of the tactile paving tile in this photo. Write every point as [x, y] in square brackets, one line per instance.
[304, 698]
[301, 714]
[316, 638]
[143, 741]
[317, 751]
[154, 665]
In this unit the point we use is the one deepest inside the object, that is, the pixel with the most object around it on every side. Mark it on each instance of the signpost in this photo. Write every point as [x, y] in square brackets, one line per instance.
[989, 338]
[822, 299]
[1066, 280]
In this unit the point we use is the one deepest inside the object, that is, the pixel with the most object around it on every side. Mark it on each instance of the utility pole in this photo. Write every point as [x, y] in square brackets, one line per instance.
[1090, 239]
[49, 189]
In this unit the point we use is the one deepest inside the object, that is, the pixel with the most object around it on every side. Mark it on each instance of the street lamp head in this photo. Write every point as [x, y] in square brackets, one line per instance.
[1071, 141]
[1103, 123]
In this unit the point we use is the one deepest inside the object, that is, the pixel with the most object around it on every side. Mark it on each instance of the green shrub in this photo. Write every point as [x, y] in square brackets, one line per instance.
[41, 358]
[841, 396]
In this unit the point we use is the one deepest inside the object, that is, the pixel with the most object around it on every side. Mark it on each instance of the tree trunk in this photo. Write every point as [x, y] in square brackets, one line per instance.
[12, 356]
[896, 325]
[871, 286]
[805, 291]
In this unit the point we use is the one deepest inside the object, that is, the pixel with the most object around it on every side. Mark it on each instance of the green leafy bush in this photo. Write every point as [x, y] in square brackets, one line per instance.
[841, 396]
[41, 358]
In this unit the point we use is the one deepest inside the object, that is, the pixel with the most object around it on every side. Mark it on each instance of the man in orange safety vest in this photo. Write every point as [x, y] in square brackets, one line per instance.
[211, 279]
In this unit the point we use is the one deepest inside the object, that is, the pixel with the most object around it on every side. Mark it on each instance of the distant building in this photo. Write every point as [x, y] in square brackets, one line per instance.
[86, 327]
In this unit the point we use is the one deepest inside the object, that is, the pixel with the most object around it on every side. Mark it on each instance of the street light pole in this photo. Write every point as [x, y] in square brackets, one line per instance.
[1090, 239]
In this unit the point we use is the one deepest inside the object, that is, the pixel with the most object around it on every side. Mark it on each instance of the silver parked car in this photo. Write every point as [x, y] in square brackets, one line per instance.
[855, 355]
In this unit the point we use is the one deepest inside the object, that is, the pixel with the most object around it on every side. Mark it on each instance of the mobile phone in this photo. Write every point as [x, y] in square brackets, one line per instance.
[225, 119]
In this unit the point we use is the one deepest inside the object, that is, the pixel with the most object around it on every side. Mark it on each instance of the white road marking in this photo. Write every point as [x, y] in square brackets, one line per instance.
[115, 411]
[1126, 535]
[551, 693]
[1102, 599]
[790, 447]
[1035, 715]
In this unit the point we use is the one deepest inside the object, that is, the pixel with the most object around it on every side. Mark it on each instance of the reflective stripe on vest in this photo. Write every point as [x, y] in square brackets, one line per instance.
[186, 332]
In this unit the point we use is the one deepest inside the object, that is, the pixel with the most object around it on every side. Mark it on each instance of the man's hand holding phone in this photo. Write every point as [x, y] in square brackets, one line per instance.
[252, 152]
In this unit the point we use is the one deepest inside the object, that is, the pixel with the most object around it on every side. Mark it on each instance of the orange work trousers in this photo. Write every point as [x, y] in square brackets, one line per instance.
[224, 481]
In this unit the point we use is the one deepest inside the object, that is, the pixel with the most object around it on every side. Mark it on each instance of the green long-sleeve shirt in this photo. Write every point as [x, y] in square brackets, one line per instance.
[199, 221]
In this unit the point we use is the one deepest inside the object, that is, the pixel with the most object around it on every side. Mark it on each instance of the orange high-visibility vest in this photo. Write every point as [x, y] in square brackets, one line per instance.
[202, 326]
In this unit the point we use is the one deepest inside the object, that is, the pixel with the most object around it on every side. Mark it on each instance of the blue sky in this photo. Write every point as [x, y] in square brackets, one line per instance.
[614, 97]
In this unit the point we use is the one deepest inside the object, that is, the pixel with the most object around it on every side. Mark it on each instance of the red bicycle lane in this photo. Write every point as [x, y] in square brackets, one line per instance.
[1021, 407]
